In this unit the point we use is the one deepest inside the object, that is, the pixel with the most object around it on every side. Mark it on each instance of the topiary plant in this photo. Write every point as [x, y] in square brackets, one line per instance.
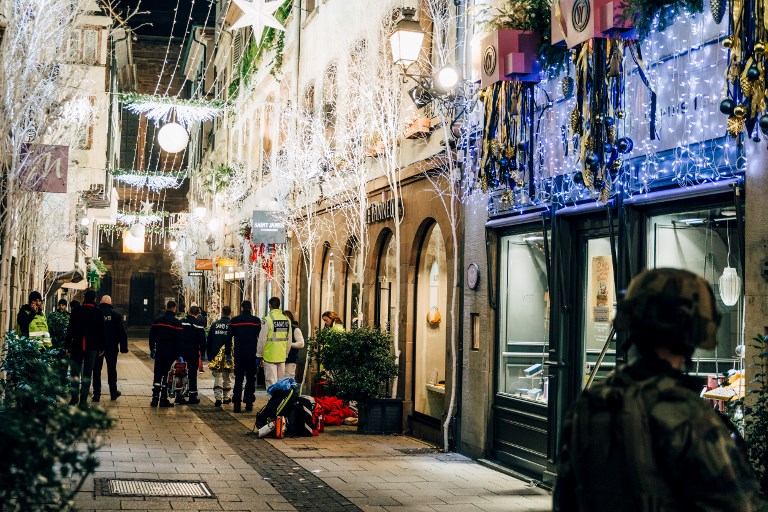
[756, 418]
[47, 448]
[359, 362]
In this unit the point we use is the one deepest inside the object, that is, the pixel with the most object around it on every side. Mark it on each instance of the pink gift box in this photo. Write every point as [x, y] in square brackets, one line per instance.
[507, 55]
[588, 19]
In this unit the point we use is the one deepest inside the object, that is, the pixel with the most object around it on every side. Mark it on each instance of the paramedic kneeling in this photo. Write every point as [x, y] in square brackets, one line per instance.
[273, 343]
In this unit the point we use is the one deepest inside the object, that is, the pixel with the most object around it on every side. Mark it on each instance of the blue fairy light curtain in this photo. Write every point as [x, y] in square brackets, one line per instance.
[623, 117]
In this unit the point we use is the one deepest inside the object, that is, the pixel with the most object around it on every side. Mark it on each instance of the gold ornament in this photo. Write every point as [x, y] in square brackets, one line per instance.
[510, 152]
[759, 48]
[621, 114]
[735, 126]
[740, 111]
[575, 120]
[746, 85]
[727, 42]
[484, 183]
[616, 165]
[611, 135]
[588, 176]
[507, 198]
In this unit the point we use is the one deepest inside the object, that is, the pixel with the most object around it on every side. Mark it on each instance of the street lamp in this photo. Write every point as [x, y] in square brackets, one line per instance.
[406, 40]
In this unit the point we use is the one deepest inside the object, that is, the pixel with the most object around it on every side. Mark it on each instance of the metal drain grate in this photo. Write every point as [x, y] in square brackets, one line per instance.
[416, 451]
[158, 488]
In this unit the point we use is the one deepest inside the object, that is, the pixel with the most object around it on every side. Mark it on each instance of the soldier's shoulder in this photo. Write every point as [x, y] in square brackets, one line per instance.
[671, 405]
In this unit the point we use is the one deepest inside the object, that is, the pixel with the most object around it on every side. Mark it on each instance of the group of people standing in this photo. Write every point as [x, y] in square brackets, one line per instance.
[89, 335]
[236, 345]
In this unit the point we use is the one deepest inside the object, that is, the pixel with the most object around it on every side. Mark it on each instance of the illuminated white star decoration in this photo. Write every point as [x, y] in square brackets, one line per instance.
[146, 207]
[258, 14]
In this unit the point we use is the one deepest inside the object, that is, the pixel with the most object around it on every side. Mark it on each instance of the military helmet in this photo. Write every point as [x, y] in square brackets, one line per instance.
[669, 306]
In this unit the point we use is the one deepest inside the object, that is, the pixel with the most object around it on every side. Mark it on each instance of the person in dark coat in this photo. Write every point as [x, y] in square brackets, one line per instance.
[192, 345]
[244, 329]
[219, 351]
[84, 342]
[117, 340]
[164, 348]
[58, 321]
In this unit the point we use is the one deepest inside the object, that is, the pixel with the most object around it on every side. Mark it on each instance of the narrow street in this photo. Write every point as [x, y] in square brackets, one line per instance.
[338, 470]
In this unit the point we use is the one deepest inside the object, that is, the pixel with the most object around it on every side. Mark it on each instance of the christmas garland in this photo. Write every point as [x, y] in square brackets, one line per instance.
[251, 61]
[131, 218]
[120, 228]
[218, 178]
[529, 15]
[188, 112]
[643, 13]
[153, 180]
[96, 270]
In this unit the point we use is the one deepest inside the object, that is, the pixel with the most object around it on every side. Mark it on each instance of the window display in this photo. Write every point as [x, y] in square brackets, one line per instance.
[599, 309]
[706, 242]
[524, 318]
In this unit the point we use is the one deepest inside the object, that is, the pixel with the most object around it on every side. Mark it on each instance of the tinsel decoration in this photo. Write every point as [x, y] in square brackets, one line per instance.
[746, 81]
[717, 8]
[153, 180]
[507, 143]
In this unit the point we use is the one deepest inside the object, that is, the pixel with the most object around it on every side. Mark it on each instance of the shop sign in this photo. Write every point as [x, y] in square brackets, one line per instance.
[44, 168]
[203, 264]
[231, 276]
[195, 273]
[266, 229]
[384, 210]
[226, 262]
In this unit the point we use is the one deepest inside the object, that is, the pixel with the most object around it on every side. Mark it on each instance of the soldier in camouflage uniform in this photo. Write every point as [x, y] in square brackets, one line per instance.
[643, 440]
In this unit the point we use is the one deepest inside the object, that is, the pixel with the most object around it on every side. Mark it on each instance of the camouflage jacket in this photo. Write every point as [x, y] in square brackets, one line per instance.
[644, 440]
[58, 321]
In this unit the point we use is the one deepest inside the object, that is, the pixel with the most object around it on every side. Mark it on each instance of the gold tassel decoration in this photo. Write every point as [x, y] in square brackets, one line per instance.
[612, 135]
[507, 198]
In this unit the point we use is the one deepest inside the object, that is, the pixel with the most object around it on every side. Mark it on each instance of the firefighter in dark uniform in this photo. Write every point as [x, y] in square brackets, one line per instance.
[164, 348]
[244, 329]
[117, 340]
[192, 345]
[643, 439]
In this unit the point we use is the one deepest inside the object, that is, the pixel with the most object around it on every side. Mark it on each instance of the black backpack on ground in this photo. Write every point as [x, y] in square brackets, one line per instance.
[300, 421]
[280, 404]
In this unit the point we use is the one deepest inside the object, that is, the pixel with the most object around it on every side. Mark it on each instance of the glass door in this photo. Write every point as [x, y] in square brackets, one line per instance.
[598, 310]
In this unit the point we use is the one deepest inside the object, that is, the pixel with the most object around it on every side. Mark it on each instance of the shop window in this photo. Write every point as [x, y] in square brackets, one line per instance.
[599, 309]
[704, 242]
[431, 329]
[385, 284]
[352, 308]
[84, 46]
[328, 281]
[523, 318]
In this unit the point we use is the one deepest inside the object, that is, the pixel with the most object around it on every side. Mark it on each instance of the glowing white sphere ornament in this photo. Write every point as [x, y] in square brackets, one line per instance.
[173, 138]
[138, 231]
[447, 79]
[730, 286]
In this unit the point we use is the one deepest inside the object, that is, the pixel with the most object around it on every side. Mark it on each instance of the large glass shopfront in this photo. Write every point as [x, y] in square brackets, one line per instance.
[551, 342]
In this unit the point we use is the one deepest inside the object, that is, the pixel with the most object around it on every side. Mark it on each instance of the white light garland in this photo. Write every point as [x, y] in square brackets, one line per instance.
[153, 183]
[186, 115]
[129, 219]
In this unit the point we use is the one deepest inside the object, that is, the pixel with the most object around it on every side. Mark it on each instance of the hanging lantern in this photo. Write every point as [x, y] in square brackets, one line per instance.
[138, 230]
[730, 286]
[173, 138]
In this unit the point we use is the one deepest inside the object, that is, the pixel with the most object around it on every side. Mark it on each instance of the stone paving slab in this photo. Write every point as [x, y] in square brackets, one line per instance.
[338, 470]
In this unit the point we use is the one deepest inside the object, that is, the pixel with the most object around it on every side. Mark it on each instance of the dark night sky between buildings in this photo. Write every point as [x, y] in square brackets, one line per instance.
[160, 14]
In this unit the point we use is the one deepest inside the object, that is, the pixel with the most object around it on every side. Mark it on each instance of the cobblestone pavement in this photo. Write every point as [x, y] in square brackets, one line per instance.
[338, 470]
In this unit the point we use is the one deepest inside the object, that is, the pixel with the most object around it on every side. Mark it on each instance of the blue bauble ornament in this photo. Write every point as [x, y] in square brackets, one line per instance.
[727, 106]
[578, 178]
[624, 145]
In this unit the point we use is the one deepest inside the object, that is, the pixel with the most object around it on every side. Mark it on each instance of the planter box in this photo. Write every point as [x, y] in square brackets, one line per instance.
[381, 416]
[588, 19]
[507, 55]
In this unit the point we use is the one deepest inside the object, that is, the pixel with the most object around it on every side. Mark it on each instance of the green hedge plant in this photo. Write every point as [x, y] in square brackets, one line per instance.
[359, 363]
[47, 448]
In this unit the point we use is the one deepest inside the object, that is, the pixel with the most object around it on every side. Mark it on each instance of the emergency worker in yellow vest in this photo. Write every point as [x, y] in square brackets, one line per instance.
[274, 342]
[31, 320]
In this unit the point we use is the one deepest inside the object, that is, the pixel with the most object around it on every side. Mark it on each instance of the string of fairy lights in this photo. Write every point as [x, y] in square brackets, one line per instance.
[685, 66]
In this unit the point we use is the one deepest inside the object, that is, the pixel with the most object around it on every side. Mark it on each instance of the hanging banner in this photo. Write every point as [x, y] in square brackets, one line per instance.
[203, 264]
[267, 229]
[44, 168]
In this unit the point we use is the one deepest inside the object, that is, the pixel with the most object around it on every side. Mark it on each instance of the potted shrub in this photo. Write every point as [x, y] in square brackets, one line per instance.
[361, 365]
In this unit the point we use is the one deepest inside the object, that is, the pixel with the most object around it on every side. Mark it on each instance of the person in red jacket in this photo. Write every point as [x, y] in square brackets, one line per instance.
[85, 341]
